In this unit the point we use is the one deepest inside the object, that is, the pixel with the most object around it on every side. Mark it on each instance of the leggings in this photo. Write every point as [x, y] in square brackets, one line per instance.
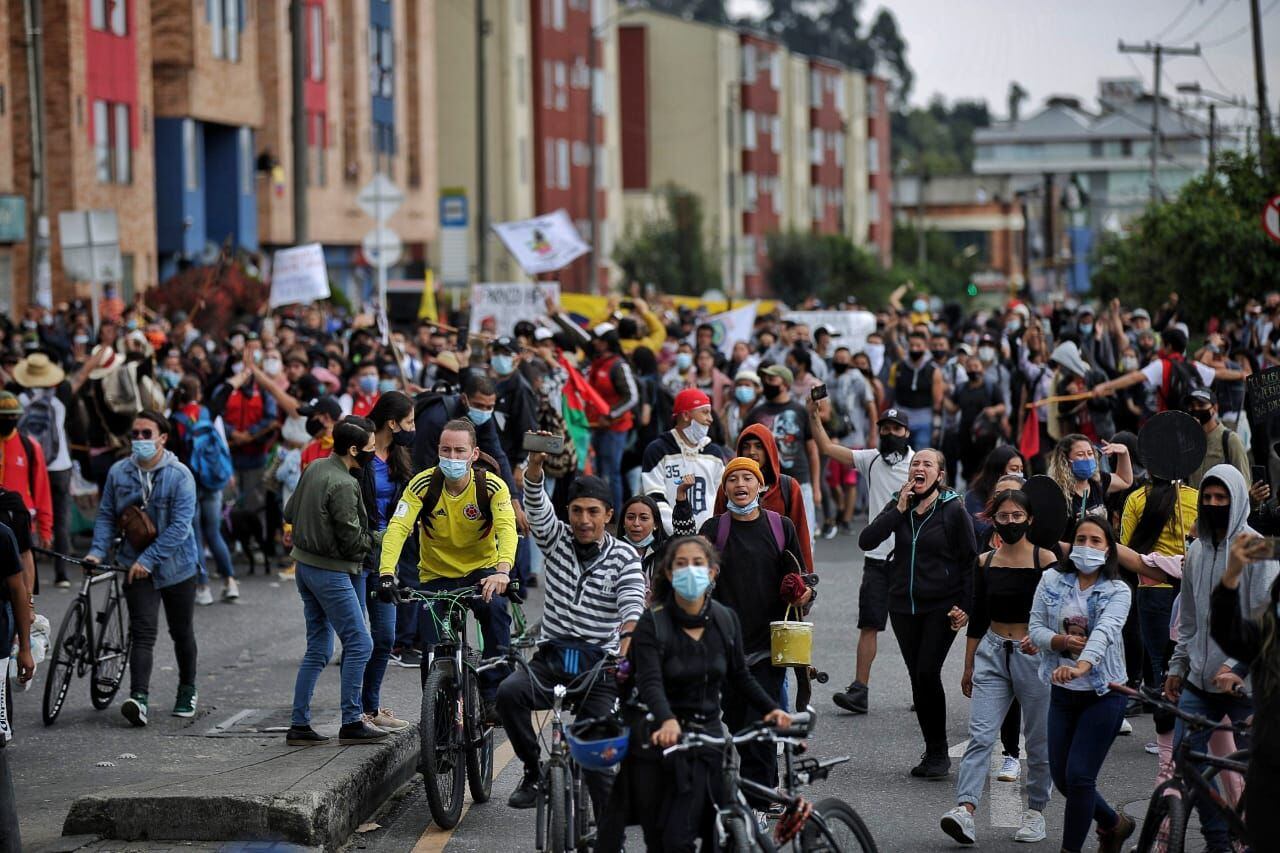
[925, 639]
[144, 601]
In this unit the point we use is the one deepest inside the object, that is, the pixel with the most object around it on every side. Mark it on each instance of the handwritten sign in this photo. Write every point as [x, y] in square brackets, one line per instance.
[298, 275]
[504, 305]
[1262, 393]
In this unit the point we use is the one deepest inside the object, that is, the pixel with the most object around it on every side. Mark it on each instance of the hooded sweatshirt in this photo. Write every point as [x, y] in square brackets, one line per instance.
[782, 492]
[1197, 657]
[667, 460]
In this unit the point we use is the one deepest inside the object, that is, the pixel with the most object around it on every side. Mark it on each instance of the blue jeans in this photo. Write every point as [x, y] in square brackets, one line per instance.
[209, 534]
[1215, 706]
[1082, 727]
[608, 446]
[921, 428]
[493, 618]
[382, 628]
[1155, 610]
[407, 614]
[330, 603]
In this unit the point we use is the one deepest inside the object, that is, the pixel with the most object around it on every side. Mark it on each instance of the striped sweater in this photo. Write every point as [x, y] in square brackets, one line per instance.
[589, 602]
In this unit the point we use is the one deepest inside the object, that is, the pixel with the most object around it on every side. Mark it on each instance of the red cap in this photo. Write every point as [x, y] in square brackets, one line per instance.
[690, 399]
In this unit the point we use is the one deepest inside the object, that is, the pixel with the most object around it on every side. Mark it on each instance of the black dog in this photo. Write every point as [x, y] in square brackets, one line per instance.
[247, 529]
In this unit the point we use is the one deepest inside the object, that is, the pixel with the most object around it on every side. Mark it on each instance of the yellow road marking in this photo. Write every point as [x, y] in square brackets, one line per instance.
[433, 838]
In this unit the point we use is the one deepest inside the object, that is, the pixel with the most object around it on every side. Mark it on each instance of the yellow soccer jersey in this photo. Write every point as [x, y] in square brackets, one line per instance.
[457, 542]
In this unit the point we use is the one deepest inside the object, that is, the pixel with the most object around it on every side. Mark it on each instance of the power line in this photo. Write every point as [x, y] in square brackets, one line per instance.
[1206, 22]
[1216, 79]
[1176, 21]
[1237, 33]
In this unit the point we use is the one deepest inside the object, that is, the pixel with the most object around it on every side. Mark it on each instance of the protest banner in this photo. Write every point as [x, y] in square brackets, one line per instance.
[298, 276]
[730, 327]
[505, 304]
[542, 244]
[1262, 394]
[851, 327]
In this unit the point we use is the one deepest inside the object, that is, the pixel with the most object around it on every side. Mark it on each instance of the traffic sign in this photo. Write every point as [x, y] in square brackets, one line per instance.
[380, 198]
[382, 247]
[1271, 219]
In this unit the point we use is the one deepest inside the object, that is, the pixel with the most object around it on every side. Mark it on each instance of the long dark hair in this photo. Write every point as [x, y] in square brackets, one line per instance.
[659, 532]
[394, 406]
[1162, 503]
[993, 468]
[660, 584]
[1112, 566]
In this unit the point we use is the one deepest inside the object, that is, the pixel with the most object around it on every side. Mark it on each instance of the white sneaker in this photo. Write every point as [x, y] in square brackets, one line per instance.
[203, 597]
[958, 823]
[1031, 829]
[231, 591]
[387, 721]
[1010, 770]
[1152, 748]
[1126, 728]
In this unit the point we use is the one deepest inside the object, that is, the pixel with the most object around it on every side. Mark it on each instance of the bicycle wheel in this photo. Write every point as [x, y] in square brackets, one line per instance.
[443, 768]
[64, 658]
[479, 736]
[110, 654]
[1164, 828]
[558, 826]
[584, 816]
[846, 831]
[741, 837]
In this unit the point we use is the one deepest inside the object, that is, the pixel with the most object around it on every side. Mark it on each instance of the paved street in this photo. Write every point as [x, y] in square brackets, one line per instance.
[249, 652]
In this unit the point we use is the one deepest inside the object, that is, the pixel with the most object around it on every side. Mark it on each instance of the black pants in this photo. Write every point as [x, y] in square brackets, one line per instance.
[1011, 729]
[60, 490]
[925, 639]
[144, 626]
[10, 841]
[757, 761]
[517, 696]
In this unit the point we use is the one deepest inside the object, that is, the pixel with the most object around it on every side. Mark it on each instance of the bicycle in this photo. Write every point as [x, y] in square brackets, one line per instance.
[524, 634]
[1165, 826]
[831, 826]
[89, 640]
[457, 742]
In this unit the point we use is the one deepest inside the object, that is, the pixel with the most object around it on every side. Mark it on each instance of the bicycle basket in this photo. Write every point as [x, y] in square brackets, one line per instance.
[598, 744]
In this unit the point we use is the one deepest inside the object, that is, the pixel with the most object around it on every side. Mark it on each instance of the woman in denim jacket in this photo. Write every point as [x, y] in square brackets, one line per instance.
[164, 572]
[1076, 626]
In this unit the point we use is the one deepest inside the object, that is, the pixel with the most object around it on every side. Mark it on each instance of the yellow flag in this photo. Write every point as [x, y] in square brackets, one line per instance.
[427, 308]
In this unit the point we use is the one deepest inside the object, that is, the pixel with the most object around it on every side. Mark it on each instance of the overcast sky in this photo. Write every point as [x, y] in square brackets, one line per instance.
[973, 48]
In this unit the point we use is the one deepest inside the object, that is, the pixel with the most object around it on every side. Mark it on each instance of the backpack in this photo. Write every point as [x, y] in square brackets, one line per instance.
[1180, 379]
[208, 456]
[775, 527]
[40, 423]
[721, 616]
[120, 391]
[435, 485]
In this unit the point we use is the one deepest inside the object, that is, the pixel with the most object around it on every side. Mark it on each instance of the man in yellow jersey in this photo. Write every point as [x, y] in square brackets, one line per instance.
[466, 536]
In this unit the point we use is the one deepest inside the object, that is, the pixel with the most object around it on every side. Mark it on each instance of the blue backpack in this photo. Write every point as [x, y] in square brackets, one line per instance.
[208, 456]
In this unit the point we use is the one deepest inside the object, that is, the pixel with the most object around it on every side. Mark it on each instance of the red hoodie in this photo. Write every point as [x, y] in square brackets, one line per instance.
[789, 502]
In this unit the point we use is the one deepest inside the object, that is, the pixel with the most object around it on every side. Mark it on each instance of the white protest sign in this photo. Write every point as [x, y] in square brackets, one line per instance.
[298, 276]
[730, 327]
[852, 326]
[542, 244]
[507, 304]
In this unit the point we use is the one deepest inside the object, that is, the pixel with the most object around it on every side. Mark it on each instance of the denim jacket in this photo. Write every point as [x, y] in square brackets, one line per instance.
[1108, 603]
[169, 492]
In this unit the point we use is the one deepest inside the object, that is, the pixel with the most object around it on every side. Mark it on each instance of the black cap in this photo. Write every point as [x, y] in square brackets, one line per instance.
[505, 344]
[1200, 395]
[591, 487]
[326, 405]
[894, 416]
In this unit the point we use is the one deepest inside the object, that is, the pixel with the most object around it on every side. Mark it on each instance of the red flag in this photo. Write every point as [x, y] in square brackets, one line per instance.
[580, 396]
[1029, 441]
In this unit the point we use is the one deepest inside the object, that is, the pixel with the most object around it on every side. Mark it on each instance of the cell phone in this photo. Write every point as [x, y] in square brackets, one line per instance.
[1273, 544]
[628, 304]
[819, 392]
[1259, 473]
[535, 443]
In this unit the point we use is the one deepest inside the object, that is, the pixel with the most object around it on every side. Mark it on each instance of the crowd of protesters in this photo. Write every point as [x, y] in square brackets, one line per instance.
[187, 455]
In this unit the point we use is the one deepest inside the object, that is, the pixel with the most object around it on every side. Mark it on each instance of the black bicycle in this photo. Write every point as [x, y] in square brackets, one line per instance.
[89, 640]
[1164, 829]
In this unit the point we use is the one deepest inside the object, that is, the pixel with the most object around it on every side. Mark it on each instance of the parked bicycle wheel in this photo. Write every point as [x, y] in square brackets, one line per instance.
[110, 654]
[559, 827]
[443, 765]
[1164, 829]
[65, 657]
[848, 832]
[479, 743]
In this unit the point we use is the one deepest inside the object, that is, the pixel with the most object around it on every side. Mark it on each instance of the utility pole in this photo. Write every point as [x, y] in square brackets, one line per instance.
[1158, 51]
[38, 273]
[921, 254]
[1260, 78]
[731, 103]
[482, 148]
[593, 188]
[1213, 137]
[298, 125]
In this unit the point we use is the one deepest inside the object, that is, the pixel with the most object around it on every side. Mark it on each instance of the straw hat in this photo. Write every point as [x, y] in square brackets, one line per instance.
[37, 371]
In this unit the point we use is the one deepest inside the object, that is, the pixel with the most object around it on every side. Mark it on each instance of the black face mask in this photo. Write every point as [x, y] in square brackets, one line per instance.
[893, 445]
[364, 457]
[8, 426]
[917, 498]
[1202, 415]
[585, 553]
[772, 392]
[1013, 531]
[1217, 517]
[915, 355]
[314, 427]
[403, 438]
[940, 355]
[841, 367]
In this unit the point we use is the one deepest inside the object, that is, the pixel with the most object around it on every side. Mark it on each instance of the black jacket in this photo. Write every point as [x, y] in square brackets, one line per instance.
[431, 413]
[516, 413]
[932, 563]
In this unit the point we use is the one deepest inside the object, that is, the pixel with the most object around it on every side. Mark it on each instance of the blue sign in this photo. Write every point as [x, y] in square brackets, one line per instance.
[13, 219]
[453, 211]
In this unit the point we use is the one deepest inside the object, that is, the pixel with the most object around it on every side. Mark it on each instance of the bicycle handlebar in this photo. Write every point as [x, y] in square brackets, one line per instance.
[408, 595]
[758, 731]
[88, 565]
[1196, 721]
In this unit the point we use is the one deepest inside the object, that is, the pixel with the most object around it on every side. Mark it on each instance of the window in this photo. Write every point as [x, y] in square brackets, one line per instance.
[217, 33]
[873, 206]
[750, 192]
[382, 62]
[598, 15]
[231, 18]
[816, 210]
[548, 85]
[815, 147]
[775, 71]
[562, 163]
[109, 16]
[317, 142]
[602, 167]
[775, 135]
[245, 144]
[580, 155]
[838, 92]
[549, 162]
[778, 198]
[873, 99]
[838, 141]
[98, 14]
[750, 265]
[748, 63]
[599, 92]
[316, 52]
[1126, 147]
[873, 156]
[748, 130]
[561, 86]
[190, 156]
[815, 88]
[557, 14]
[520, 80]
[112, 154]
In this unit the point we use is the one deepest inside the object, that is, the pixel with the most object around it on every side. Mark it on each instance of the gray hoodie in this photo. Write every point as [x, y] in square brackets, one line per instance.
[1197, 657]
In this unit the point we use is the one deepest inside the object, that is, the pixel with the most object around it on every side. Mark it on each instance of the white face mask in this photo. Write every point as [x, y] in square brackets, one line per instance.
[695, 432]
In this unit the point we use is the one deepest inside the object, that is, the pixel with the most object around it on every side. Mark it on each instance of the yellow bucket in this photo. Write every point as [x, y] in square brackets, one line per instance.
[791, 642]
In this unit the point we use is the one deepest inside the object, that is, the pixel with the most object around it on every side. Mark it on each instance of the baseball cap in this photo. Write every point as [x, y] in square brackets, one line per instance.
[592, 488]
[1140, 312]
[326, 405]
[781, 371]
[747, 376]
[505, 344]
[543, 334]
[690, 399]
[894, 416]
[1200, 395]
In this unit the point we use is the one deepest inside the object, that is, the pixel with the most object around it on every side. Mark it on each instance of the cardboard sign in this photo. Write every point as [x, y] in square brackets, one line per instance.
[507, 304]
[298, 276]
[1262, 393]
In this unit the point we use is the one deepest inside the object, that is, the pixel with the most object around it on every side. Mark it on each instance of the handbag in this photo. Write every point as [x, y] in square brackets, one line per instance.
[138, 528]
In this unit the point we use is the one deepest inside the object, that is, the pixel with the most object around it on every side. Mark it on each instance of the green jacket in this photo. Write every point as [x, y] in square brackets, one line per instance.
[330, 525]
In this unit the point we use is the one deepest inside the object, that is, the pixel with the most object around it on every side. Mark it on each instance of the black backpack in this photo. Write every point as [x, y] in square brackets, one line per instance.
[1180, 378]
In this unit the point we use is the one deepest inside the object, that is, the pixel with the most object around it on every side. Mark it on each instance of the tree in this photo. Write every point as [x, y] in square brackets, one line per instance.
[711, 11]
[939, 137]
[1207, 245]
[830, 266]
[671, 251]
[948, 268]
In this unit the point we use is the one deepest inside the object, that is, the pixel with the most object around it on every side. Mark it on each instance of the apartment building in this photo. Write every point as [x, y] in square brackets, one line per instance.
[879, 169]
[13, 207]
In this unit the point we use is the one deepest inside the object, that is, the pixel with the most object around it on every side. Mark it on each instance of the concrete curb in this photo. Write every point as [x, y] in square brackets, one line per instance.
[314, 796]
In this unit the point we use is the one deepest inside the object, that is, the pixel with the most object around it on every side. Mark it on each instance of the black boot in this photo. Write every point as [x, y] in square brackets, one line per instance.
[525, 796]
[933, 765]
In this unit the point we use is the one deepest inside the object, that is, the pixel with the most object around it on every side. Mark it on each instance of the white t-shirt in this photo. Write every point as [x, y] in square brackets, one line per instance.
[1154, 373]
[884, 481]
[1075, 620]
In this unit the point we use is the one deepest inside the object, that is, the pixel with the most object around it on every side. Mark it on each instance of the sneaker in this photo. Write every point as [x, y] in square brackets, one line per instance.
[185, 704]
[203, 596]
[407, 658]
[1010, 770]
[360, 732]
[303, 736]
[62, 583]
[231, 591]
[1126, 728]
[1112, 840]
[1152, 748]
[134, 709]
[287, 573]
[854, 699]
[1031, 829]
[829, 531]
[847, 528]
[935, 766]
[958, 823]
[387, 721]
[525, 796]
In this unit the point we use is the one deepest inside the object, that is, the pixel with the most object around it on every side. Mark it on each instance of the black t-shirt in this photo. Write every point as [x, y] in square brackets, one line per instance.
[15, 516]
[789, 423]
[9, 564]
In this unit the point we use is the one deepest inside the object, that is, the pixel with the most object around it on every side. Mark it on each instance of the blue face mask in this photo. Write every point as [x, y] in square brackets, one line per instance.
[691, 582]
[1087, 560]
[920, 306]
[745, 394]
[144, 450]
[1086, 328]
[479, 417]
[454, 469]
[503, 365]
[645, 542]
[743, 510]
[684, 361]
[368, 384]
[385, 385]
[1083, 469]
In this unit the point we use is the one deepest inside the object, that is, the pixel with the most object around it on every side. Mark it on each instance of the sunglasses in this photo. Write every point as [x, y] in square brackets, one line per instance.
[144, 434]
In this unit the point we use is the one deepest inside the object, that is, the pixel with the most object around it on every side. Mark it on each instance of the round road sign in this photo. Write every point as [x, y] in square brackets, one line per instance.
[1271, 219]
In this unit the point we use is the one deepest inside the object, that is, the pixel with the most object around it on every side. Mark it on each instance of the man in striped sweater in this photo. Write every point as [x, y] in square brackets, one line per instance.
[594, 594]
